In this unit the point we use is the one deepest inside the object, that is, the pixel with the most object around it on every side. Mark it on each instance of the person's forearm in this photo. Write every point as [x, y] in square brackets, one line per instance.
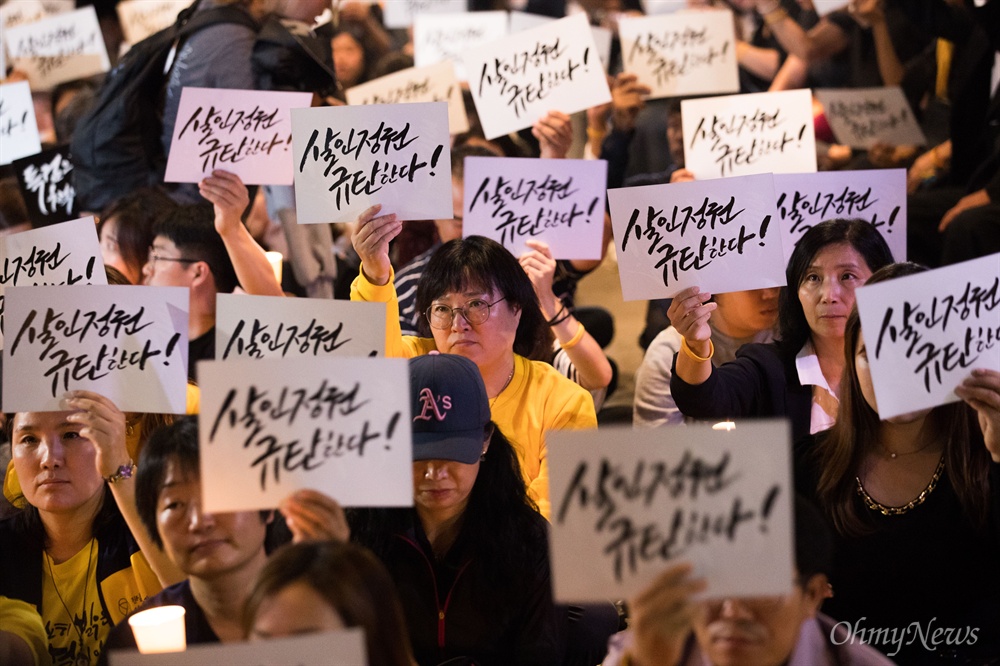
[166, 571]
[889, 66]
[758, 61]
[592, 366]
[695, 371]
[253, 270]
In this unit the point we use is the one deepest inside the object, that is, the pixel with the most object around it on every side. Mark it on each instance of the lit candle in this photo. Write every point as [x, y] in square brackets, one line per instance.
[159, 630]
[275, 258]
[724, 425]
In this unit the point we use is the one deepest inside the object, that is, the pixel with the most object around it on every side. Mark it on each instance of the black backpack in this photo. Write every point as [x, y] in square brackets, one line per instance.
[116, 146]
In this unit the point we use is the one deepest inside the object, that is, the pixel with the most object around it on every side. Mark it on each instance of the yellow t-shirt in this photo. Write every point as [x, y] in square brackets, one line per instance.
[71, 608]
[537, 400]
[22, 620]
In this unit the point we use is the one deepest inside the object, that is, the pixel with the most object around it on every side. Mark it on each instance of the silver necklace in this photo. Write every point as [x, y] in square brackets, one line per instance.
[505, 384]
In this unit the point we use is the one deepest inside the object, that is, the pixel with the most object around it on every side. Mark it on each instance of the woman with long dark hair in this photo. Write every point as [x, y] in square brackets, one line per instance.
[798, 376]
[915, 502]
[470, 559]
[478, 302]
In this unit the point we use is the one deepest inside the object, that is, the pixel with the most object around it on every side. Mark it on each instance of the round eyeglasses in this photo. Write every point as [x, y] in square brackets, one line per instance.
[476, 311]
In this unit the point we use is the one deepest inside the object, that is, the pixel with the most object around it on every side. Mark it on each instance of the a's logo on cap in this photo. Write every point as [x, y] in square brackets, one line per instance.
[430, 406]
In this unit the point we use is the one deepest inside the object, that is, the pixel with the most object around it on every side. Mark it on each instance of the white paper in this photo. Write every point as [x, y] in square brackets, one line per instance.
[438, 37]
[876, 195]
[59, 48]
[19, 12]
[740, 135]
[246, 132]
[60, 254]
[18, 129]
[720, 500]
[924, 334]
[687, 53]
[307, 650]
[350, 157]
[560, 202]
[434, 83]
[862, 117]
[128, 343]
[721, 235]
[338, 425]
[602, 36]
[279, 327]
[142, 18]
[517, 80]
[402, 13]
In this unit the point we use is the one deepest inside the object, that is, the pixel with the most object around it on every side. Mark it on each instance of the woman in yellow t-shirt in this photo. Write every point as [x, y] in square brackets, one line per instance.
[70, 552]
[479, 303]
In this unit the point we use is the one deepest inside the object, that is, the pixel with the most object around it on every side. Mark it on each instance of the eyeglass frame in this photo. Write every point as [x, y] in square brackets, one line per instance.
[152, 258]
[462, 310]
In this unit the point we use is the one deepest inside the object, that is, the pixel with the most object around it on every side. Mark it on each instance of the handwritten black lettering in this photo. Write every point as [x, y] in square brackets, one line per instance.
[527, 77]
[610, 490]
[743, 139]
[675, 53]
[911, 324]
[253, 339]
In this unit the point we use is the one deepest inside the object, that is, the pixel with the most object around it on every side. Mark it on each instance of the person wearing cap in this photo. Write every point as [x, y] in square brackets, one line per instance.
[470, 559]
[477, 302]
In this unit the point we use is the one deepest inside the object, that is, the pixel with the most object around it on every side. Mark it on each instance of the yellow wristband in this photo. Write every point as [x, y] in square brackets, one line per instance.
[692, 355]
[777, 16]
[575, 340]
[595, 134]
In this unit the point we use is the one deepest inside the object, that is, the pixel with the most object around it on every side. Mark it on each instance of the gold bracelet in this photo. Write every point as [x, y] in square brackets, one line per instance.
[595, 134]
[575, 340]
[687, 350]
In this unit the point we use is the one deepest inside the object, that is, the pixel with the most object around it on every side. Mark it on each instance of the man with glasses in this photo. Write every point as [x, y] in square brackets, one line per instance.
[209, 257]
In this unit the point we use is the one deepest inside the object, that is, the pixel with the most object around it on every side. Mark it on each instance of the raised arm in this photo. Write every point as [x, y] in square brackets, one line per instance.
[230, 198]
[104, 425]
[689, 313]
[822, 41]
[981, 391]
[591, 364]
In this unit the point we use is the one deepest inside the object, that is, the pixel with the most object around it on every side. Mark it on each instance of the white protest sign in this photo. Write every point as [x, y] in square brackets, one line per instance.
[876, 195]
[303, 650]
[128, 343]
[18, 129]
[348, 158]
[434, 83]
[18, 12]
[338, 425]
[925, 333]
[721, 235]
[517, 80]
[438, 37]
[60, 254]
[687, 53]
[59, 48]
[720, 500]
[560, 202]
[602, 36]
[740, 135]
[402, 13]
[663, 6]
[278, 327]
[141, 18]
[246, 132]
[862, 117]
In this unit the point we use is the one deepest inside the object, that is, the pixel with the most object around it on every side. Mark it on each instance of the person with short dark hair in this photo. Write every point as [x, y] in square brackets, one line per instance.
[478, 302]
[470, 559]
[669, 628]
[210, 254]
[799, 376]
[221, 554]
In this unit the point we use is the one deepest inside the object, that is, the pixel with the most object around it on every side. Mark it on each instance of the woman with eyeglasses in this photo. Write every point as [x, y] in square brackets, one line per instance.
[478, 302]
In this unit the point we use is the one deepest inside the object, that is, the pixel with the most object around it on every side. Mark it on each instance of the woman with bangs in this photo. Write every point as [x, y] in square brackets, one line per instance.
[69, 551]
[477, 302]
[798, 376]
[914, 501]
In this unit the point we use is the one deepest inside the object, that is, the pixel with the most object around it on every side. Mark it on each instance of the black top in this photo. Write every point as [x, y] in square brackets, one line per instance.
[195, 624]
[929, 566]
[201, 348]
[760, 382]
[455, 608]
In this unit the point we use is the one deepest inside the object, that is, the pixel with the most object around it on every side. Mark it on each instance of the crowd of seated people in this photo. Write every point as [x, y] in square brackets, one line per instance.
[897, 521]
